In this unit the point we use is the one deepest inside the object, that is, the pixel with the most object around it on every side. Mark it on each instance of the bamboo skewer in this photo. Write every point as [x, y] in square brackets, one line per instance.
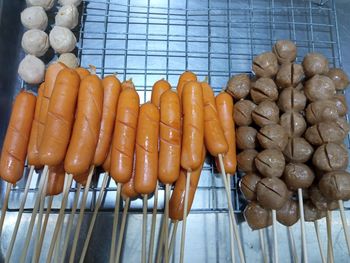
[81, 215]
[302, 223]
[93, 220]
[294, 250]
[345, 224]
[232, 247]
[165, 223]
[161, 241]
[60, 218]
[122, 229]
[153, 224]
[172, 240]
[144, 230]
[330, 256]
[317, 230]
[275, 242]
[184, 220]
[262, 245]
[20, 213]
[4, 206]
[115, 223]
[70, 223]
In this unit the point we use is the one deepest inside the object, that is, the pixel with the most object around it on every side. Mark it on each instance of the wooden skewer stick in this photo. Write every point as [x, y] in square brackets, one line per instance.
[81, 215]
[42, 183]
[70, 224]
[294, 250]
[345, 224]
[330, 256]
[93, 220]
[184, 220]
[20, 213]
[165, 223]
[144, 230]
[302, 223]
[317, 230]
[122, 228]
[161, 241]
[115, 223]
[153, 225]
[275, 242]
[172, 240]
[230, 208]
[231, 227]
[60, 218]
[4, 206]
[262, 245]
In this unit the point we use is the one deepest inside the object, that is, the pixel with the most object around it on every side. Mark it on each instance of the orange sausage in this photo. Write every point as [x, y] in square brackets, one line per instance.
[214, 137]
[123, 143]
[55, 181]
[82, 72]
[169, 138]
[14, 149]
[146, 168]
[81, 178]
[184, 78]
[193, 126]
[82, 146]
[177, 200]
[107, 163]
[111, 90]
[128, 189]
[33, 145]
[60, 118]
[128, 84]
[224, 105]
[158, 89]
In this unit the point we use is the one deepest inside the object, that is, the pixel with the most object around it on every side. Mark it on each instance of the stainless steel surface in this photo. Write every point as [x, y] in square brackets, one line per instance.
[153, 39]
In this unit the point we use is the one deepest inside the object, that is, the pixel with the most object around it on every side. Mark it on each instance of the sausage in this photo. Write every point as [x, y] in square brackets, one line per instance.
[146, 168]
[81, 178]
[193, 126]
[55, 181]
[82, 72]
[158, 89]
[169, 138]
[184, 78]
[177, 200]
[128, 189]
[60, 118]
[224, 106]
[14, 149]
[214, 137]
[82, 146]
[123, 142]
[128, 84]
[111, 90]
[107, 163]
[33, 145]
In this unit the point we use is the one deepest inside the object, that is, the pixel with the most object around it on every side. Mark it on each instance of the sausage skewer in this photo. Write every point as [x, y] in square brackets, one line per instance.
[4, 206]
[144, 229]
[232, 244]
[115, 222]
[173, 236]
[153, 224]
[122, 229]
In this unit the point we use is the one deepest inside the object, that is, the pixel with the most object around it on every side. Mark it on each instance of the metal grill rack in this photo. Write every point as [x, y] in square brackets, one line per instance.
[147, 41]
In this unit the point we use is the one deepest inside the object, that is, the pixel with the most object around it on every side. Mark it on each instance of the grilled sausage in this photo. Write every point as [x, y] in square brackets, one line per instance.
[169, 138]
[14, 149]
[193, 126]
[158, 89]
[55, 181]
[185, 77]
[214, 137]
[82, 72]
[81, 178]
[128, 189]
[146, 168]
[177, 200]
[86, 128]
[111, 90]
[107, 163]
[123, 142]
[128, 84]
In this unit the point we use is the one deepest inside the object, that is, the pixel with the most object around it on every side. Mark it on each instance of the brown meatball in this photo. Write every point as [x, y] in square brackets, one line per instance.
[339, 77]
[273, 136]
[248, 185]
[246, 137]
[319, 88]
[315, 63]
[335, 185]
[264, 89]
[288, 215]
[272, 193]
[298, 175]
[256, 216]
[311, 213]
[330, 157]
[266, 113]
[320, 201]
[285, 51]
[298, 150]
[291, 100]
[293, 123]
[340, 103]
[321, 110]
[270, 163]
[238, 86]
[242, 112]
[246, 160]
[265, 65]
[289, 75]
